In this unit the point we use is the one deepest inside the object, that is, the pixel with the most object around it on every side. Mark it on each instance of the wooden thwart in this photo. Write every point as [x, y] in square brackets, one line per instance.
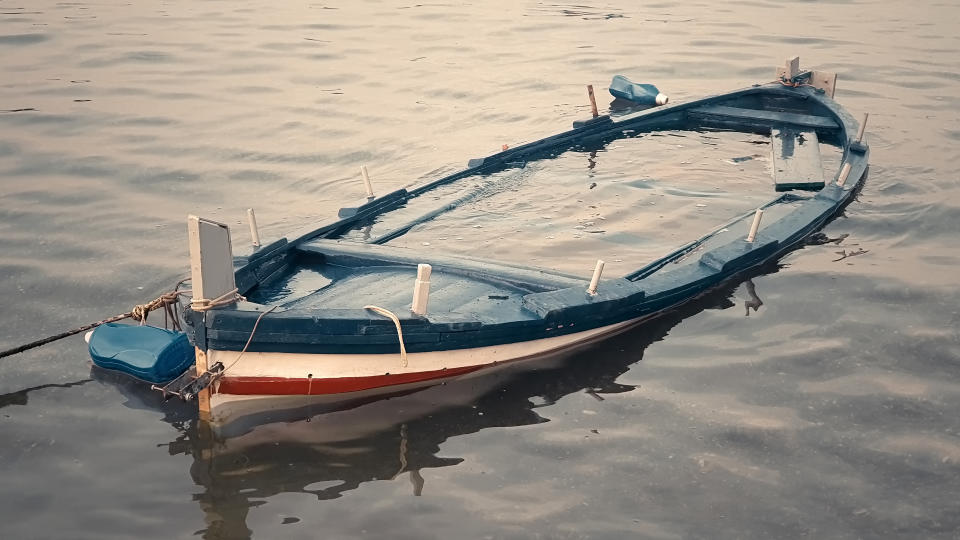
[796, 159]
[764, 117]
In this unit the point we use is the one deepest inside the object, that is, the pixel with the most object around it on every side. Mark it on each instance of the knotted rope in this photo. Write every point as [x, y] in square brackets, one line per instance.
[792, 83]
[224, 299]
[166, 301]
[138, 313]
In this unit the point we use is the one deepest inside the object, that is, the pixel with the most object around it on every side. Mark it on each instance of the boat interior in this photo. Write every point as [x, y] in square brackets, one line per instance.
[637, 184]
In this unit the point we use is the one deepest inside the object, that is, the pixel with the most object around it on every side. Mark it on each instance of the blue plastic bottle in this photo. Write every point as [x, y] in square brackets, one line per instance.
[644, 94]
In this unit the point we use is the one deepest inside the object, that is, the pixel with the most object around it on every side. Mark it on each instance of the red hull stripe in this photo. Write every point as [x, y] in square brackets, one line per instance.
[280, 386]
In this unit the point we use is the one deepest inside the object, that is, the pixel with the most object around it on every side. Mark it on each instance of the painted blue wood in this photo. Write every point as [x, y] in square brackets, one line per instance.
[832, 193]
[371, 206]
[365, 211]
[482, 303]
[790, 229]
[667, 287]
[268, 250]
[603, 120]
[739, 254]
[612, 296]
[766, 118]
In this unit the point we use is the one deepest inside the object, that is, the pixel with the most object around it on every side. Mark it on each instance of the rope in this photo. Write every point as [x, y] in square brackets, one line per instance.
[396, 321]
[138, 313]
[793, 84]
[166, 301]
[249, 339]
[224, 299]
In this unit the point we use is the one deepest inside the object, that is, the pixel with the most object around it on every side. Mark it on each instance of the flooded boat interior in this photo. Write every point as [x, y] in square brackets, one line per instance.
[630, 201]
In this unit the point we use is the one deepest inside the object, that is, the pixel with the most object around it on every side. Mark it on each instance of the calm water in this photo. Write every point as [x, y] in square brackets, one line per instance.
[831, 412]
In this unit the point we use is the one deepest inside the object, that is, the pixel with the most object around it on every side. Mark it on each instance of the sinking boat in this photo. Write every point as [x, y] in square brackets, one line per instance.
[321, 315]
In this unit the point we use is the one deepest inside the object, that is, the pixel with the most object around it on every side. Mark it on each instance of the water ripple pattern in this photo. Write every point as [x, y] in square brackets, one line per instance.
[816, 399]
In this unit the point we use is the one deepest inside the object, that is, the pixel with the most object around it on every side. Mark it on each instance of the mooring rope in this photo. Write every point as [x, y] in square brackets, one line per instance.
[793, 84]
[138, 313]
[249, 339]
[396, 321]
[166, 301]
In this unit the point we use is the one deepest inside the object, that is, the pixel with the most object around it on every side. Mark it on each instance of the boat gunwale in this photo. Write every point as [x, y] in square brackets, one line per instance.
[734, 257]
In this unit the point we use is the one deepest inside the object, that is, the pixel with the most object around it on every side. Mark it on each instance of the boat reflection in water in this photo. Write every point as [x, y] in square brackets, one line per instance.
[332, 451]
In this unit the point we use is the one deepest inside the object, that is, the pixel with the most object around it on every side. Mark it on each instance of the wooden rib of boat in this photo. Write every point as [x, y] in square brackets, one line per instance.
[302, 326]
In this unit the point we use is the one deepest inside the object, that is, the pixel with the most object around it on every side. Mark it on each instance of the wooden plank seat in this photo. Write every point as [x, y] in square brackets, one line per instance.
[723, 112]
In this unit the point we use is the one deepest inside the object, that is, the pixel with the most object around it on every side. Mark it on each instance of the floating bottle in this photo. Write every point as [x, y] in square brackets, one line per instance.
[643, 94]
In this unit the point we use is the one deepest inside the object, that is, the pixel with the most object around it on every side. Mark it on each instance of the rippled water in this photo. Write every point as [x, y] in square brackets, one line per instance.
[829, 412]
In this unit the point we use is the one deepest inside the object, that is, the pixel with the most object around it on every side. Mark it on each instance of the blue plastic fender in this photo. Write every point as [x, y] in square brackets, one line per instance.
[146, 352]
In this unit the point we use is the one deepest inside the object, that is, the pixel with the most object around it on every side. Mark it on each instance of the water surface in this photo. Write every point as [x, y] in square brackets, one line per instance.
[827, 412]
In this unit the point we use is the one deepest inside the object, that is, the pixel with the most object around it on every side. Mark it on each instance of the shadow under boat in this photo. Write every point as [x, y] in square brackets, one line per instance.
[334, 450]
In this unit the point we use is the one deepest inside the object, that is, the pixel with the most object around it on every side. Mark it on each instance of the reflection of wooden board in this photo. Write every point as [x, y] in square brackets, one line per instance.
[796, 159]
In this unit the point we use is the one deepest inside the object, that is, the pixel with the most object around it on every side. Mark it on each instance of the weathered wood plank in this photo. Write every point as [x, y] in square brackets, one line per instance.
[767, 117]
[203, 396]
[211, 258]
[824, 80]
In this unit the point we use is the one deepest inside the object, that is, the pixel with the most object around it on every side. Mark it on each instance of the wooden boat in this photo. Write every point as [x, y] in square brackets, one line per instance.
[321, 316]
